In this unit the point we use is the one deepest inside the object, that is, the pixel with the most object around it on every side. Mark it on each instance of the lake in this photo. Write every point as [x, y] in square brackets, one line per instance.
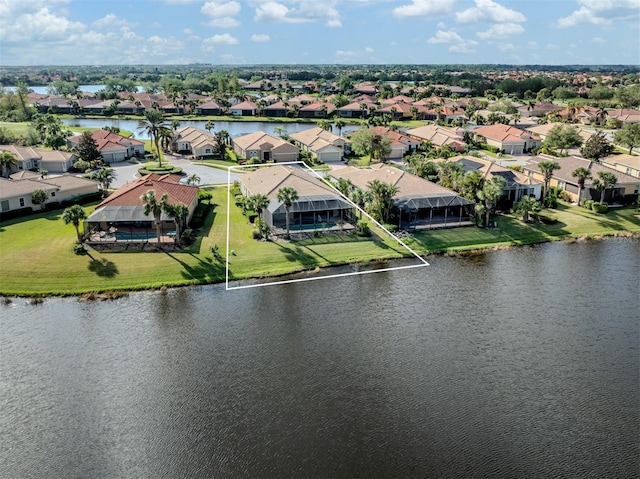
[517, 363]
[235, 128]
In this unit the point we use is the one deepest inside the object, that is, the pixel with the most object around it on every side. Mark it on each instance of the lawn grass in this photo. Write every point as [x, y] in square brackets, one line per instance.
[36, 257]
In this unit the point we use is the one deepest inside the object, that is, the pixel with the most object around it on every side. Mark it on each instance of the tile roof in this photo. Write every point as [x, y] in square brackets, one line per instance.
[570, 163]
[504, 133]
[129, 194]
[268, 180]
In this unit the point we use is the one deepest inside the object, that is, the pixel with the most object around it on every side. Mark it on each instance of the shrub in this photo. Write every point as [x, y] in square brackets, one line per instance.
[600, 208]
[79, 249]
[186, 236]
[390, 227]
[255, 234]
[362, 228]
[587, 204]
[204, 195]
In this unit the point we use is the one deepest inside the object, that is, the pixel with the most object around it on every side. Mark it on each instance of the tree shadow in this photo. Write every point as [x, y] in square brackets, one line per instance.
[205, 229]
[103, 268]
[204, 271]
[296, 254]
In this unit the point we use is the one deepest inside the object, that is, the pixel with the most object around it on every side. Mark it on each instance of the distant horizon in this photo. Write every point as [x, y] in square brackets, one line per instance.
[319, 32]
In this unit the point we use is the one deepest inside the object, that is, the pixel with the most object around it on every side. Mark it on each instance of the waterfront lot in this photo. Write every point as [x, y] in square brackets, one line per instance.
[36, 256]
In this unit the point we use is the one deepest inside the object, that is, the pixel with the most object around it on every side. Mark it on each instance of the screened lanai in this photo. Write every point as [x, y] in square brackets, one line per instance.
[310, 212]
[415, 212]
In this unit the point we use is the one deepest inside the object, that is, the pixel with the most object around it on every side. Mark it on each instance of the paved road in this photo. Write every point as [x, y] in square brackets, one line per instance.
[124, 172]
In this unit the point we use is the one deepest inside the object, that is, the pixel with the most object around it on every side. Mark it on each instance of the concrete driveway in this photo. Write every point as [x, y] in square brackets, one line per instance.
[124, 172]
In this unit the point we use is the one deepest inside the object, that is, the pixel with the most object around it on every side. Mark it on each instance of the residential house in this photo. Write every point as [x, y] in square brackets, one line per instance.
[626, 186]
[511, 140]
[318, 109]
[244, 108]
[401, 143]
[624, 115]
[318, 204]
[265, 147]
[120, 217]
[538, 110]
[628, 164]
[518, 185]
[439, 136]
[277, 109]
[209, 107]
[113, 147]
[419, 203]
[366, 88]
[356, 110]
[328, 147]
[15, 194]
[196, 142]
[543, 130]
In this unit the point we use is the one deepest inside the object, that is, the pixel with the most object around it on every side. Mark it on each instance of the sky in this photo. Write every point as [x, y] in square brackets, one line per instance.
[247, 32]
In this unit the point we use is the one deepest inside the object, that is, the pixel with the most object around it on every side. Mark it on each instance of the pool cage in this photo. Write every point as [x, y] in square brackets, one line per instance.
[310, 212]
[415, 212]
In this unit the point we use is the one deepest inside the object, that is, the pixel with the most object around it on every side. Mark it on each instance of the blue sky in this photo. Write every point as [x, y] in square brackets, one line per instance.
[99, 32]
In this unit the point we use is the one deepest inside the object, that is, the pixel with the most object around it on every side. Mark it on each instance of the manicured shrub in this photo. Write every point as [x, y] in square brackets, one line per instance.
[598, 207]
[587, 204]
[255, 234]
[390, 227]
[362, 228]
[79, 249]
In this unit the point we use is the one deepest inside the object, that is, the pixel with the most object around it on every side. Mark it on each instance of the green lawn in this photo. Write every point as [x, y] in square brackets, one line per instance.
[36, 255]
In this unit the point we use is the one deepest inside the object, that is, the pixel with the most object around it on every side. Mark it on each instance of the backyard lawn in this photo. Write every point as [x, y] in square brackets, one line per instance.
[36, 256]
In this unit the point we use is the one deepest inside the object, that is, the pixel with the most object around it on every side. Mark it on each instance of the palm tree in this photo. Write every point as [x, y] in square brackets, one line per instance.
[382, 199]
[547, 168]
[288, 196]
[179, 212]
[604, 181]
[324, 125]
[154, 125]
[74, 214]
[526, 206]
[193, 180]
[154, 206]
[7, 161]
[340, 124]
[491, 191]
[105, 178]
[209, 125]
[582, 174]
[258, 203]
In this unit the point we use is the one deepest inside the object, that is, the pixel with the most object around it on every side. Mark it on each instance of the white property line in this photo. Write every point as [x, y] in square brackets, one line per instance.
[300, 280]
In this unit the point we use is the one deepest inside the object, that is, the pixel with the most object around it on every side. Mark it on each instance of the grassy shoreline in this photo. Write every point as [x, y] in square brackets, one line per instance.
[36, 257]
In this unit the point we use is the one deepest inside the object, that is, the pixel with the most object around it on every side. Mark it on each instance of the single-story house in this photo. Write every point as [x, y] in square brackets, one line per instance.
[327, 147]
[318, 205]
[518, 184]
[356, 109]
[439, 136]
[121, 214]
[538, 110]
[209, 108]
[401, 143]
[512, 140]
[419, 203]
[27, 158]
[277, 109]
[16, 194]
[264, 146]
[197, 142]
[245, 108]
[113, 147]
[624, 163]
[318, 109]
[626, 186]
[543, 130]
[624, 115]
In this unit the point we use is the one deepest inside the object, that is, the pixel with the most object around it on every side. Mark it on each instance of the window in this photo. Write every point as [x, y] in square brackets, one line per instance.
[560, 184]
[21, 202]
[53, 193]
[5, 205]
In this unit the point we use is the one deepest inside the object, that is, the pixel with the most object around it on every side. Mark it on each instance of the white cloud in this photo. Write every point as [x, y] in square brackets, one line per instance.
[501, 30]
[111, 20]
[488, 10]
[445, 37]
[598, 40]
[458, 44]
[187, 31]
[224, 39]
[601, 12]
[368, 50]
[305, 11]
[346, 54]
[220, 9]
[421, 8]
[260, 38]
[221, 13]
[40, 26]
[506, 47]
